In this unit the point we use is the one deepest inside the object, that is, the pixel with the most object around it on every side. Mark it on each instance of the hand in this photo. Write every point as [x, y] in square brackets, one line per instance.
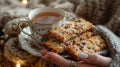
[90, 60]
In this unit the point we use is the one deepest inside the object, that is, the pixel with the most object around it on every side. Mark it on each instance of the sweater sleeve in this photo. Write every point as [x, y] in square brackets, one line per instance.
[113, 44]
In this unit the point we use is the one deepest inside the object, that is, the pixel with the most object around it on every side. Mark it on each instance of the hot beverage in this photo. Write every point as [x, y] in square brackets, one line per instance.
[47, 18]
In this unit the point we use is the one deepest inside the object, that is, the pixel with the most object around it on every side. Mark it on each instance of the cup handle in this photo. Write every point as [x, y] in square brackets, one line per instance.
[19, 26]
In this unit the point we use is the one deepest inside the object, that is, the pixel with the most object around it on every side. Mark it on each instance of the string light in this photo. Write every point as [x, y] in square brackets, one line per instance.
[18, 64]
[24, 2]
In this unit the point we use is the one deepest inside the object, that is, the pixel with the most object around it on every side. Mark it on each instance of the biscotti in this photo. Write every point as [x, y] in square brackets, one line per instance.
[54, 46]
[98, 41]
[59, 47]
[91, 45]
[69, 31]
[74, 51]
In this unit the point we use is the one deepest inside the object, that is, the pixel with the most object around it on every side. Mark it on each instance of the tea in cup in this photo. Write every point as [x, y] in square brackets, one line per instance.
[41, 20]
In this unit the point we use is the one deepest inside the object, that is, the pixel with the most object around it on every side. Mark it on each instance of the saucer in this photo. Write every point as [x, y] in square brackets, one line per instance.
[25, 42]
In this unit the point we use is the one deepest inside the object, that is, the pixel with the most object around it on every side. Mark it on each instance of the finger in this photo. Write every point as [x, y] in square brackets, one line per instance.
[43, 52]
[95, 59]
[56, 59]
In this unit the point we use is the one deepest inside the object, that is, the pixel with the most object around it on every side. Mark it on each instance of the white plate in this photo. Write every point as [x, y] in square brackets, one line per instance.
[24, 42]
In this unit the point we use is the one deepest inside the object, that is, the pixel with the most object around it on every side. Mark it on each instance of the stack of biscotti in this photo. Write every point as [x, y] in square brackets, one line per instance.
[69, 31]
[93, 44]
[74, 38]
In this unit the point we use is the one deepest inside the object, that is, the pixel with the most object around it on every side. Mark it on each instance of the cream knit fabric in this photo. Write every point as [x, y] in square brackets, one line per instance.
[105, 12]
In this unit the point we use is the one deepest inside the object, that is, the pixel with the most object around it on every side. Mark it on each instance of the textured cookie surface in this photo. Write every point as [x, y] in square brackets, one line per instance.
[74, 38]
[68, 31]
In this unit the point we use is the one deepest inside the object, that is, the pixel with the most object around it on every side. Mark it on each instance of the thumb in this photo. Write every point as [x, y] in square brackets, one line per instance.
[56, 59]
[95, 59]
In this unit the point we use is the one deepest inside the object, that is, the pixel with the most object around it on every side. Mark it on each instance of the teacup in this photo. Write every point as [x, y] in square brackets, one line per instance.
[41, 20]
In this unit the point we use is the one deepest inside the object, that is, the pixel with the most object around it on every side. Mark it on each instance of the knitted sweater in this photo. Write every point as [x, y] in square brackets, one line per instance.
[105, 12]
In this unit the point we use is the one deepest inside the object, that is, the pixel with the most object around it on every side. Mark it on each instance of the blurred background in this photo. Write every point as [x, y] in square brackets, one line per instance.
[12, 12]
